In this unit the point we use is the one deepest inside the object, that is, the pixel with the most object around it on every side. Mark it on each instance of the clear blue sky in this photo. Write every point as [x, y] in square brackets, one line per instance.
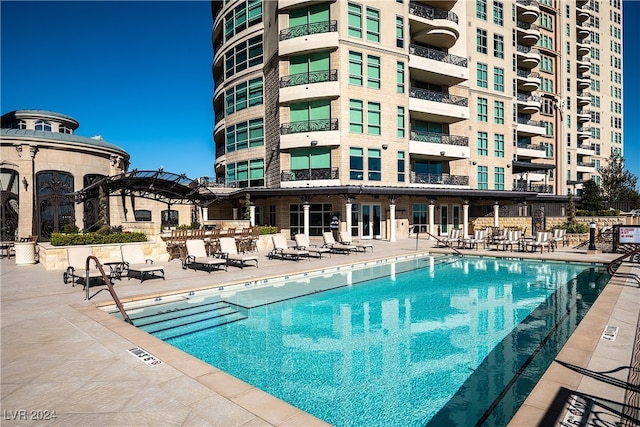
[139, 74]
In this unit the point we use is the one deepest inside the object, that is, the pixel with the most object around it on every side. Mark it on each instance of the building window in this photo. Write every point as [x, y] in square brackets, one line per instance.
[169, 218]
[399, 32]
[355, 20]
[246, 174]
[401, 122]
[498, 112]
[43, 126]
[498, 145]
[483, 144]
[356, 116]
[272, 215]
[356, 164]
[420, 220]
[498, 79]
[244, 135]
[374, 164]
[483, 177]
[401, 166]
[498, 178]
[482, 75]
[373, 118]
[481, 40]
[482, 110]
[355, 68]
[142, 215]
[319, 218]
[373, 72]
[498, 46]
[481, 9]
[400, 77]
[498, 13]
[373, 25]
[244, 95]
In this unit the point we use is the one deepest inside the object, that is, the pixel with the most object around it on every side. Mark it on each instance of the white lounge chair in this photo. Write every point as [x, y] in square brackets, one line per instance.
[229, 251]
[303, 243]
[453, 237]
[330, 242]
[76, 272]
[135, 262]
[513, 238]
[475, 240]
[542, 241]
[346, 239]
[283, 251]
[197, 256]
[559, 235]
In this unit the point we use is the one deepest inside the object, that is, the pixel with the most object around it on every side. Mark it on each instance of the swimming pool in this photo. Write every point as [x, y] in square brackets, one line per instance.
[438, 340]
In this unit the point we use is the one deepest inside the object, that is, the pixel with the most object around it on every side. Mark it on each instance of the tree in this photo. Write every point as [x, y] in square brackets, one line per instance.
[617, 184]
[591, 200]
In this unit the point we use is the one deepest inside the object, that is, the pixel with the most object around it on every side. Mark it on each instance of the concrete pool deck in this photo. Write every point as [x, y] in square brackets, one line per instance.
[62, 355]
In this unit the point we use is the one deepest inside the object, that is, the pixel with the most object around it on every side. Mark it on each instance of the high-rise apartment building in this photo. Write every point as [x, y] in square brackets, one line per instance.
[445, 102]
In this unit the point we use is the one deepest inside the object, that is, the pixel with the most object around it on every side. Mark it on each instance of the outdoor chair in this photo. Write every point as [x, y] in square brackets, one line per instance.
[176, 244]
[559, 235]
[345, 239]
[244, 240]
[76, 271]
[197, 256]
[513, 238]
[254, 238]
[212, 242]
[303, 243]
[135, 262]
[197, 234]
[475, 240]
[229, 251]
[542, 241]
[330, 242]
[453, 237]
[283, 251]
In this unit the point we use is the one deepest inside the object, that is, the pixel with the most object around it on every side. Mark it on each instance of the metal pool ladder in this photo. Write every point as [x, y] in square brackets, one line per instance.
[107, 281]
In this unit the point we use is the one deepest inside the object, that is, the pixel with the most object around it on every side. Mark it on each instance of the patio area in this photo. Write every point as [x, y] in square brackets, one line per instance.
[63, 357]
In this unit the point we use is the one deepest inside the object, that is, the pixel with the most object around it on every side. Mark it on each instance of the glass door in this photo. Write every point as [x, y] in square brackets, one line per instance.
[444, 220]
[371, 221]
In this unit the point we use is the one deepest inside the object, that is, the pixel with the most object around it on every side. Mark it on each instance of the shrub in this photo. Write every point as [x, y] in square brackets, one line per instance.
[602, 212]
[575, 227]
[268, 229]
[61, 239]
[70, 229]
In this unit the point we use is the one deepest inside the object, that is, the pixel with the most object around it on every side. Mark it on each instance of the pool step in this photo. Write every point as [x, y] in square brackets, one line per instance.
[178, 312]
[183, 325]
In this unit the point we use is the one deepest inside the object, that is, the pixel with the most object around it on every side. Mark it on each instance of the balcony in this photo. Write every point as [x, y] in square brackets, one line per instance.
[324, 132]
[583, 63]
[583, 98]
[439, 145]
[437, 106]
[532, 151]
[527, 57]
[528, 10]
[309, 38]
[528, 34]
[528, 81]
[530, 186]
[583, 47]
[586, 167]
[586, 150]
[583, 82]
[583, 115]
[527, 127]
[583, 30]
[437, 67]
[433, 26]
[291, 4]
[528, 104]
[583, 13]
[584, 132]
[309, 86]
[319, 177]
[440, 180]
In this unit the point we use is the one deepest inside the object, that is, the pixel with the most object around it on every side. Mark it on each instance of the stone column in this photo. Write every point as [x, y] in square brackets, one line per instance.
[252, 215]
[305, 214]
[392, 220]
[348, 206]
[465, 218]
[432, 218]
[496, 214]
[205, 214]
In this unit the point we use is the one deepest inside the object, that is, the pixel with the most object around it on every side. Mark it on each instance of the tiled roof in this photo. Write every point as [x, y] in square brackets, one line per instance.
[60, 137]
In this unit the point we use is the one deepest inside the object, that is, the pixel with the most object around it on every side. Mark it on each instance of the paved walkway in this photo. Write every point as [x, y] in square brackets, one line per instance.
[62, 356]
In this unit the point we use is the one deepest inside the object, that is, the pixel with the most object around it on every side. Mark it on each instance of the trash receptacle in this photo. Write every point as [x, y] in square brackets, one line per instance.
[25, 253]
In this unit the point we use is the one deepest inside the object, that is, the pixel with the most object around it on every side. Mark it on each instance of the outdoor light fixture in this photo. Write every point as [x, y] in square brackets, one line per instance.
[25, 183]
[442, 153]
[385, 146]
[314, 143]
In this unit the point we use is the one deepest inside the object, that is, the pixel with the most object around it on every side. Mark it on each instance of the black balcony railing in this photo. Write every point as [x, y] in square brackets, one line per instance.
[439, 138]
[428, 12]
[586, 164]
[309, 174]
[536, 188]
[441, 179]
[525, 26]
[526, 74]
[309, 126]
[528, 98]
[584, 94]
[308, 78]
[527, 50]
[431, 95]
[526, 121]
[219, 116]
[527, 2]
[437, 55]
[539, 147]
[308, 29]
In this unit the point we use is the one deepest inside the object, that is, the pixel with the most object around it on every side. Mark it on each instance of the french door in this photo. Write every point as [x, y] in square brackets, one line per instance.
[371, 221]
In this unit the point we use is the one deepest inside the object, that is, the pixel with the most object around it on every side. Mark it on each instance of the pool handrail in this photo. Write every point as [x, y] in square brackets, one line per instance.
[107, 281]
[448, 244]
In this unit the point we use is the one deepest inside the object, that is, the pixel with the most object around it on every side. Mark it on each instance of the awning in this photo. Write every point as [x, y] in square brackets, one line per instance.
[159, 185]
[519, 166]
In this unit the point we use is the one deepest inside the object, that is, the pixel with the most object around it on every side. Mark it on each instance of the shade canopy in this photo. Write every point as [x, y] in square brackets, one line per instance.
[156, 185]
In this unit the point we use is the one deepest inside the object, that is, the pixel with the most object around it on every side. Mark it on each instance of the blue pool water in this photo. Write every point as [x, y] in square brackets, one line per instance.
[438, 341]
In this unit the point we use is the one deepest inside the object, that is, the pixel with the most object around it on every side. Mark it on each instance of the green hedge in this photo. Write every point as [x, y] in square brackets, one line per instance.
[603, 212]
[61, 239]
[268, 229]
[575, 227]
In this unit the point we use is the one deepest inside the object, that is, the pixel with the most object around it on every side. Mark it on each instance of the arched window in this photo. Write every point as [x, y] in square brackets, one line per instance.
[92, 206]
[169, 218]
[43, 125]
[142, 215]
[54, 208]
[9, 204]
